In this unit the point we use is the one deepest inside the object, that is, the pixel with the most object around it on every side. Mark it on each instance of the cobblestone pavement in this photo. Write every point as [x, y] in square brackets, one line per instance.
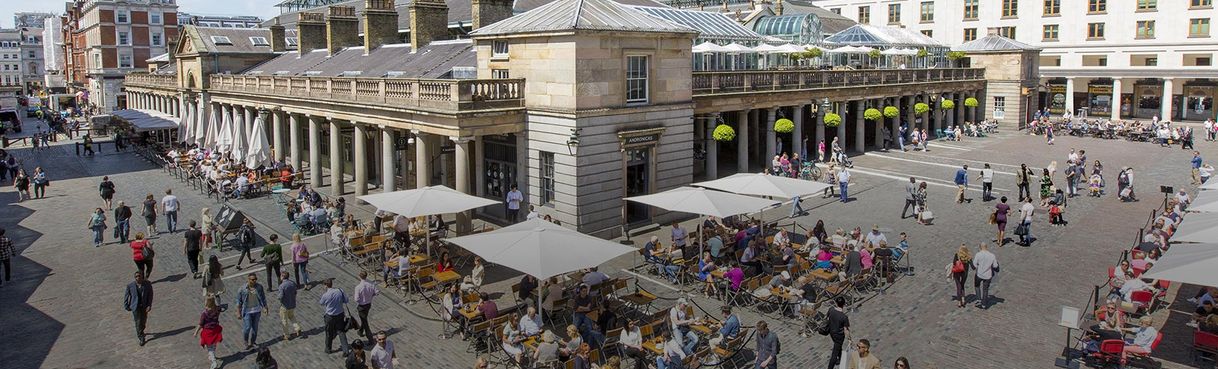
[63, 307]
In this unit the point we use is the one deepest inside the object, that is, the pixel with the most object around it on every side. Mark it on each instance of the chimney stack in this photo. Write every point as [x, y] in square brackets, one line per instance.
[487, 12]
[342, 28]
[380, 24]
[778, 7]
[428, 22]
[278, 37]
[310, 32]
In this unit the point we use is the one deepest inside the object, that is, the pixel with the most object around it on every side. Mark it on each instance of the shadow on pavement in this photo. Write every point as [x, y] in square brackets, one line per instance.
[28, 332]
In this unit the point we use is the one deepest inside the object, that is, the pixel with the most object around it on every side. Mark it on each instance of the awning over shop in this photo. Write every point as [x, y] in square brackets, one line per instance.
[146, 120]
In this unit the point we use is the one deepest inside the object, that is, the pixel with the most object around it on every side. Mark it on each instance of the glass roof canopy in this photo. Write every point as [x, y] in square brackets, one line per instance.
[802, 29]
[711, 26]
[884, 38]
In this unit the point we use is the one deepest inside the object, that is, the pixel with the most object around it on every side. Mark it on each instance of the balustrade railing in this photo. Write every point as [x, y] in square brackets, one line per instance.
[167, 81]
[705, 83]
[448, 94]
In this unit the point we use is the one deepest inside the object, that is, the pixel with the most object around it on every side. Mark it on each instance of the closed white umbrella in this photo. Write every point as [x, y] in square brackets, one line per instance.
[185, 131]
[1188, 264]
[200, 128]
[224, 140]
[260, 150]
[764, 185]
[214, 121]
[1197, 227]
[240, 140]
[541, 249]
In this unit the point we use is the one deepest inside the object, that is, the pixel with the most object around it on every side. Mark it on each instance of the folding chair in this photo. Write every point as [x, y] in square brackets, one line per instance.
[1204, 343]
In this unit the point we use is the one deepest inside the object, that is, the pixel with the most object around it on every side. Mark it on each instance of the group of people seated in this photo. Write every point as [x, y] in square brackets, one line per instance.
[970, 129]
[227, 176]
[312, 215]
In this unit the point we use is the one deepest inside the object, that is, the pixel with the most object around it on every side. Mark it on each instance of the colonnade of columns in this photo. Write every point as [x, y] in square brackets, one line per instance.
[174, 105]
[753, 125]
[1165, 107]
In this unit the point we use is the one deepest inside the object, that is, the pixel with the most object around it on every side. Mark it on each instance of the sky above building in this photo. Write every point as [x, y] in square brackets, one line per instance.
[260, 8]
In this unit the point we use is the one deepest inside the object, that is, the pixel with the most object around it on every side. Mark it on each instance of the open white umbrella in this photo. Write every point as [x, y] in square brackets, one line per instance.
[701, 201]
[425, 201]
[765, 185]
[1209, 185]
[1197, 227]
[709, 47]
[541, 249]
[767, 48]
[1188, 264]
[225, 140]
[792, 48]
[260, 150]
[738, 48]
[1206, 201]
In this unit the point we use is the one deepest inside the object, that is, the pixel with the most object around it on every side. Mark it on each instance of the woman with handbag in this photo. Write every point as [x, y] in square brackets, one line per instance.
[97, 223]
[209, 331]
[924, 216]
[22, 183]
[142, 253]
[213, 278]
[149, 213]
[999, 217]
[958, 271]
[300, 260]
[40, 182]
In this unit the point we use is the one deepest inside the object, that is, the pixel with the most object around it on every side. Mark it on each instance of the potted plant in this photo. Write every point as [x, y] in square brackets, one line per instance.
[784, 125]
[832, 120]
[891, 111]
[921, 108]
[724, 133]
[954, 57]
[947, 105]
[872, 114]
[970, 102]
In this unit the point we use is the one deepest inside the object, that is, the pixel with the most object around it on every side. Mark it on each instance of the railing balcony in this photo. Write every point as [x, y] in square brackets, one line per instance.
[449, 95]
[165, 81]
[708, 83]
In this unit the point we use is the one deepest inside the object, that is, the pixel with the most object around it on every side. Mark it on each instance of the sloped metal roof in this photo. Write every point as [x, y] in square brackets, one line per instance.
[432, 61]
[868, 35]
[994, 43]
[710, 25]
[570, 15]
[239, 39]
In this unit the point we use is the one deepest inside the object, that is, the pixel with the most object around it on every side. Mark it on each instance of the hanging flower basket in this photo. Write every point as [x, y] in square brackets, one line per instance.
[947, 104]
[724, 133]
[921, 108]
[872, 114]
[784, 125]
[892, 112]
[832, 120]
[970, 102]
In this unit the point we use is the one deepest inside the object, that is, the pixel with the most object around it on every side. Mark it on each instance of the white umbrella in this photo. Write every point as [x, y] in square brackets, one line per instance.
[1206, 201]
[224, 140]
[425, 201]
[213, 129]
[200, 129]
[893, 51]
[792, 48]
[260, 150]
[1209, 185]
[864, 49]
[705, 202]
[1197, 227]
[541, 249]
[1188, 264]
[767, 48]
[737, 48]
[709, 47]
[846, 49]
[240, 140]
[185, 133]
[765, 185]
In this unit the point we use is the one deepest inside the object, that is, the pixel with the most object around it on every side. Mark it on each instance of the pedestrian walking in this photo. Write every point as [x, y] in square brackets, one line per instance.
[767, 347]
[987, 182]
[142, 253]
[192, 244]
[923, 215]
[21, 182]
[11, 164]
[88, 144]
[6, 257]
[961, 184]
[209, 331]
[820, 151]
[251, 302]
[1024, 230]
[287, 306]
[843, 181]
[911, 197]
[383, 356]
[901, 363]
[357, 358]
[831, 181]
[985, 263]
[4, 155]
[106, 189]
[1000, 219]
[300, 260]
[97, 223]
[40, 181]
[138, 300]
[1196, 163]
[958, 270]
[149, 213]
[796, 208]
[333, 302]
[245, 242]
[272, 256]
[364, 292]
[122, 222]
[901, 132]
[838, 325]
[169, 207]
[1071, 179]
[514, 198]
[213, 278]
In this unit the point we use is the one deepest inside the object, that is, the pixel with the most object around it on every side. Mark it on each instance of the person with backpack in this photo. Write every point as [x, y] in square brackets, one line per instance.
[958, 271]
[837, 327]
[247, 239]
[142, 253]
[97, 223]
[272, 256]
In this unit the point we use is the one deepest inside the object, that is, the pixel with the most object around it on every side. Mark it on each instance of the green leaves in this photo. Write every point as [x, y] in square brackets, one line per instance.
[832, 120]
[892, 112]
[724, 132]
[947, 105]
[921, 108]
[970, 102]
[784, 125]
[872, 114]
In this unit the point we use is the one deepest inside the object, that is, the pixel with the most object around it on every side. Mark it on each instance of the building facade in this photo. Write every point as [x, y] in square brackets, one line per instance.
[1139, 58]
[110, 38]
[10, 58]
[220, 21]
[53, 55]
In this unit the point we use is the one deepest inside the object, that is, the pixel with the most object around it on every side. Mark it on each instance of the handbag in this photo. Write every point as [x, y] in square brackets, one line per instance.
[147, 251]
[1021, 230]
[958, 266]
[352, 323]
[993, 218]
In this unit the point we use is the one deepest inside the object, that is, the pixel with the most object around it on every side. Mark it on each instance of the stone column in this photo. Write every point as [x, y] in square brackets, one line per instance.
[878, 134]
[277, 134]
[1165, 112]
[950, 115]
[841, 130]
[742, 141]
[960, 109]
[294, 140]
[1069, 95]
[480, 166]
[388, 147]
[712, 150]
[461, 154]
[819, 121]
[360, 160]
[797, 136]
[1116, 100]
[315, 152]
[754, 141]
[860, 127]
[336, 159]
[770, 136]
[422, 160]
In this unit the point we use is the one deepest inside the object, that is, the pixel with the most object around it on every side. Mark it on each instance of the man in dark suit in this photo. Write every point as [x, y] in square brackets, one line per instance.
[138, 300]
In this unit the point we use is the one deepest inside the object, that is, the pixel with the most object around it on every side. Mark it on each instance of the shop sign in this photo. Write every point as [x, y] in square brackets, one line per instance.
[645, 139]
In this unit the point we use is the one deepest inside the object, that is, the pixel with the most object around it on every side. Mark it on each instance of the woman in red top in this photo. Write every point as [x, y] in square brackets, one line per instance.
[212, 332]
[445, 264]
[142, 253]
[285, 177]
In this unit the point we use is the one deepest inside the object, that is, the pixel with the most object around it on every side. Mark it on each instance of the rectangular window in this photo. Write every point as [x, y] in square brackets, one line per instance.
[1050, 33]
[154, 18]
[33, 55]
[864, 15]
[221, 40]
[499, 49]
[1097, 6]
[928, 11]
[97, 61]
[970, 34]
[1000, 103]
[121, 16]
[1008, 32]
[1053, 7]
[290, 41]
[546, 167]
[155, 39]
[1146, 29]
[124, 38]
[499, 73]
[837, 11]
[636, 79]
[1152, 62]
[894, 13]
[124, 61]
[971, 8]
[259, 41]
[1010, 8]
[928, 33]
[1201, 3]
[1199, 27]
[1095, 30]
[1203, 62]
[1144, 5]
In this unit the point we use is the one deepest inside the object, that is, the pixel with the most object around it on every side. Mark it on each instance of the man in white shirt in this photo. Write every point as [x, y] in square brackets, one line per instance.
[530, 323]
[514, 198]
[382, 355]
[987, 182]
[1025, 219]
[679, 236]
[169, 207]
[874, 238]
[680, 326]
[843, 181]
[986, 266]
[673, 352]
[533, 214]
[243, 183]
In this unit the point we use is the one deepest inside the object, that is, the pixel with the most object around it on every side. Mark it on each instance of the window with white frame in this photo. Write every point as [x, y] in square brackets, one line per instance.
[124, 61]
[122, 16]
[546, 167]
[97, 61]
[259, 41]
[499, 49]
[499, 73]
[291, 41]
[124, 38]
[1000, 103]
[154, 18]
[155, 38]
[636, 79]
[33, 55]
[221, 40]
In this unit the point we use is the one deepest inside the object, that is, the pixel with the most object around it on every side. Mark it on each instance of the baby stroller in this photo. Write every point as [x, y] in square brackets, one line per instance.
[1095, 185]
[844, 159]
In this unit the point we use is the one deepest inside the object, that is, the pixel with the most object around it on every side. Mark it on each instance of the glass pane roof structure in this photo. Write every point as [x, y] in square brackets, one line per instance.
[803, 29]
[711, 26]
[883, 38]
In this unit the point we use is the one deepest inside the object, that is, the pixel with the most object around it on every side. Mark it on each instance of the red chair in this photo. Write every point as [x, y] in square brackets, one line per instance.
[1142, 300]
[1162, 286]
[1204, 343]
[1111, 352]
